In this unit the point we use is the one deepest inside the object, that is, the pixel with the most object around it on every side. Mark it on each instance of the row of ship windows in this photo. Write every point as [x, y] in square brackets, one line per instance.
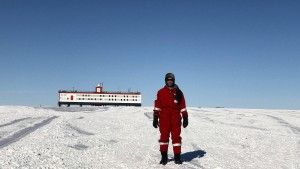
[106, 99]
[87, 95]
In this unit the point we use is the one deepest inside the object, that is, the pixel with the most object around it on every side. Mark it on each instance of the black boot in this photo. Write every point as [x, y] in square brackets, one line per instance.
[177, 159]
[164, 158]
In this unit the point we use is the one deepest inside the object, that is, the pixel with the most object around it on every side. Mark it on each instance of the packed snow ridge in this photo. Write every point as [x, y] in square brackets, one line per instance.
[123, 137]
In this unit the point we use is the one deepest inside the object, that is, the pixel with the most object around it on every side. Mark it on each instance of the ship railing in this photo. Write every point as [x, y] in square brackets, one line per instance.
[105, 92]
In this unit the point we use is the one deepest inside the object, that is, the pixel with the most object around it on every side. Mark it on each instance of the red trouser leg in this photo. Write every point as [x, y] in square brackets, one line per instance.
[164, 128]
[175, 132]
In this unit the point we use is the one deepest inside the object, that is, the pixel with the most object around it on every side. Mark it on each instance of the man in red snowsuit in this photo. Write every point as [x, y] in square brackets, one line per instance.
[168, 108]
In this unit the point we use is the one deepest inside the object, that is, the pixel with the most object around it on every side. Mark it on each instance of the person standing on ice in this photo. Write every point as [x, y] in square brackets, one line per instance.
[168, 108]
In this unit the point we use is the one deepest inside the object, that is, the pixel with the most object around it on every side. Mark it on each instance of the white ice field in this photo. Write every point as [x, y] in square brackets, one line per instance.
[123, 137]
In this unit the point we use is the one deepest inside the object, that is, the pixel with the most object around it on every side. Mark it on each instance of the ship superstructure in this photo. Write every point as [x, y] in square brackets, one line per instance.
[99, 98]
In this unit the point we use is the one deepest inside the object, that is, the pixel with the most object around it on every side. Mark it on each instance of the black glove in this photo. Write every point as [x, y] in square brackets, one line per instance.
[155, 121]
[185, 121]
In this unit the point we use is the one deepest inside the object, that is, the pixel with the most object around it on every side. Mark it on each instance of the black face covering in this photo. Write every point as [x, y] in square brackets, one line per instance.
[178, 94]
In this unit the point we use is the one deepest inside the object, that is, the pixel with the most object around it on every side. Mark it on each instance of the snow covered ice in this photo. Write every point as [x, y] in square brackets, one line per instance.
[123, 137]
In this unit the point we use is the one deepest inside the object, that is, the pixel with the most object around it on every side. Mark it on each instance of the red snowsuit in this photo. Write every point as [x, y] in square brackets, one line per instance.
[168, 109]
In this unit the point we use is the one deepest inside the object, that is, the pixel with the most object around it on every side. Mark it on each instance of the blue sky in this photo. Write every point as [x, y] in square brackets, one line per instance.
[239, 54]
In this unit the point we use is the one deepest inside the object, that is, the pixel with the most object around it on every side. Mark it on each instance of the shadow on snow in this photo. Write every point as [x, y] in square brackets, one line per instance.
[189, 156]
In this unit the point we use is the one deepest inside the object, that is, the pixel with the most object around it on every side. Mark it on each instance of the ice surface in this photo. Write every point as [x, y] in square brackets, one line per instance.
[123, 137]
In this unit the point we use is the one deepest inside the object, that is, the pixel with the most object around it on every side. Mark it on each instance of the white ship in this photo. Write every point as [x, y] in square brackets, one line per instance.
[99, 98]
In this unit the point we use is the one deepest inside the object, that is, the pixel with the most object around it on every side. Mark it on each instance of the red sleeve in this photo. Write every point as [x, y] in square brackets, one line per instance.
[157, 107]
[182, 106]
